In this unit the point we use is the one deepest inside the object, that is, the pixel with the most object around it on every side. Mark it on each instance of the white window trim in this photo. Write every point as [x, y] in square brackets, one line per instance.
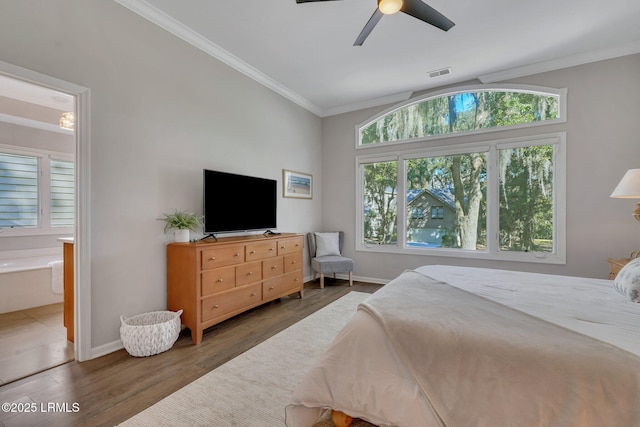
[44, 195]
[562, 112]
[558, 256]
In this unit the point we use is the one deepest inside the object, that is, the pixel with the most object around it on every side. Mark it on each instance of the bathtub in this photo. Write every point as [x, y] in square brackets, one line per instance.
[26, 279]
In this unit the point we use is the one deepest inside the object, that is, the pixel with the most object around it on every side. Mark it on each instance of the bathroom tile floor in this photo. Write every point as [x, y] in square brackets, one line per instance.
[31, 341]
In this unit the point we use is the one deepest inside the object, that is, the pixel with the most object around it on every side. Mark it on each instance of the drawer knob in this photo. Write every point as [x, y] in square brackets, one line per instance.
[253, 294]
[295, 280]
[237, 254]
[216, 306]
[293, 262]
[220, 280]
[271, 288]
[252, 252]
[212, 258]
[250, 273]
[273, 267]
[271, 249]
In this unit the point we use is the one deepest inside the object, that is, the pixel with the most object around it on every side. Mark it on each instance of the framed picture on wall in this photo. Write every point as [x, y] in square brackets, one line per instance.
[297, 184]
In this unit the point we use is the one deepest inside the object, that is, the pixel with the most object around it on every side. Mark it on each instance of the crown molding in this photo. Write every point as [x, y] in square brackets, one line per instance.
[564, 62]
[161, 19]
[166, 22]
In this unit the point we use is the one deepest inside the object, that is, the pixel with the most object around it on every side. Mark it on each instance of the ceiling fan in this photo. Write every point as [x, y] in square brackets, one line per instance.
[415, 8]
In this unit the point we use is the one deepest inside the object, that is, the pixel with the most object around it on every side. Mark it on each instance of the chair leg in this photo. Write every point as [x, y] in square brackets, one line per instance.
[350, 278]
[321, 280]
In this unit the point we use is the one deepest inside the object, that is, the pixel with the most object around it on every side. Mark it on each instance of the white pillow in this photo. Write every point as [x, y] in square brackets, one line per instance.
[327, 244]
[627, 282]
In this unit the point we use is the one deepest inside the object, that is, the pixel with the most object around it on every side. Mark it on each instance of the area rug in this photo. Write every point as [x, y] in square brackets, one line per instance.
[253, 389]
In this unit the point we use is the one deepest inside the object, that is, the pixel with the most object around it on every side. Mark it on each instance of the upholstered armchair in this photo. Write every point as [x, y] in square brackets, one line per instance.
[325, 250]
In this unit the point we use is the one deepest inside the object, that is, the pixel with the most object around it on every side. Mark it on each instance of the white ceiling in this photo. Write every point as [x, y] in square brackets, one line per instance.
[306, 53]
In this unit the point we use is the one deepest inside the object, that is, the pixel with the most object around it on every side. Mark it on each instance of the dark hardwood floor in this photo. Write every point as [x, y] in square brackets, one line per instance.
[110, 389]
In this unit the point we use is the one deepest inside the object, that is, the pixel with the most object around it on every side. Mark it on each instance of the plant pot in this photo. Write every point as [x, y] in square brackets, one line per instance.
[181, 236]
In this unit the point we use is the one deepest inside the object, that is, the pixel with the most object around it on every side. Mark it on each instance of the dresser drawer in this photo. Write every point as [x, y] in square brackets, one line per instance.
[221, 257]
[292, 262]
[288, 246]
[293, 280]
[272, 267]
[248, 273]
[218, 280]
[256, 251]
[282, 285]
[228, 302]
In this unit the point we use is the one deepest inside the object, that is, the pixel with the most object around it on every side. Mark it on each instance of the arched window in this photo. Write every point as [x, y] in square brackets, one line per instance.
[484, 196]
[465, 110]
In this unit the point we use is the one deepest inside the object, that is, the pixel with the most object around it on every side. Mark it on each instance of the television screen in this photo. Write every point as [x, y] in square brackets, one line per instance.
[235, 202]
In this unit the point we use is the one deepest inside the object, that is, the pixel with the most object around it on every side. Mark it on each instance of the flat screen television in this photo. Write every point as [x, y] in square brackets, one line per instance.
[235, 203]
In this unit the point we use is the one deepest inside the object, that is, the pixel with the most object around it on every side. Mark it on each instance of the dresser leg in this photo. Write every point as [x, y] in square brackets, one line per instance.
[196, 336]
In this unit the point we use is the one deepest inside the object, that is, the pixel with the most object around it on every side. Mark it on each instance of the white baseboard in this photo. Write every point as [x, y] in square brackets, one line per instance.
[105, 349]
[356, 278]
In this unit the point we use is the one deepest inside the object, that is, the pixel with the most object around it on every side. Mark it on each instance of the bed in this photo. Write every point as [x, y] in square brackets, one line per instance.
[458, 346]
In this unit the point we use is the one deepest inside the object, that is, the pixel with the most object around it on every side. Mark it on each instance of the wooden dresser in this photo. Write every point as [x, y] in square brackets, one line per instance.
[213, 281]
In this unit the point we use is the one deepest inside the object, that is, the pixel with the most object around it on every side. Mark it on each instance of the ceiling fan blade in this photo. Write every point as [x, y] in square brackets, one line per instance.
[375, 18]
[426, 13]
[311, 1]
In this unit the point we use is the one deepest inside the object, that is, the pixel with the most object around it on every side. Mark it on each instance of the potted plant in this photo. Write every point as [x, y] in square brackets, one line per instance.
[181, 222]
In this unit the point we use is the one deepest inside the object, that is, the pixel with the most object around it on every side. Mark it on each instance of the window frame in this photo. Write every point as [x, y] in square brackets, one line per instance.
[491, 147]
[562, 112]
[43, 226]
[437, 212]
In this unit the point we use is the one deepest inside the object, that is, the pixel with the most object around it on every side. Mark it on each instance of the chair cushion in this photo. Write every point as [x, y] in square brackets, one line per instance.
[332, 264]
[327, 244]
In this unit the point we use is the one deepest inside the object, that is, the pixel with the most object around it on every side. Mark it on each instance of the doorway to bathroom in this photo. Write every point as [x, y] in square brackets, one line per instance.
[38, 205]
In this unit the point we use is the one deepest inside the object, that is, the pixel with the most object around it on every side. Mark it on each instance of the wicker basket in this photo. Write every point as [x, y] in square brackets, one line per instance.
[150, 333]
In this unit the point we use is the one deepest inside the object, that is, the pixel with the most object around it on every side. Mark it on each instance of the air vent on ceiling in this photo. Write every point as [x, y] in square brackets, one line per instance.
[441, 72]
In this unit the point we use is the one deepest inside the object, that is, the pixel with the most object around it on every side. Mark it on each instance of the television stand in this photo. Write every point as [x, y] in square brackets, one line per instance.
[213, 236]
[270, 233]
[213, 281]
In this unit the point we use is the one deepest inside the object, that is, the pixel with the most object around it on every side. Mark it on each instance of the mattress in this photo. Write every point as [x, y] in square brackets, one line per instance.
[368, 374]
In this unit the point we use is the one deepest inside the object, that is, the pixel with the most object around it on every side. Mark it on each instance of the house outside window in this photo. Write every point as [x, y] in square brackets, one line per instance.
[495, 198]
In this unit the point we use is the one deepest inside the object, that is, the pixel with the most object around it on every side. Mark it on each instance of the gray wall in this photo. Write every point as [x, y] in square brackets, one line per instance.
[603, 141]
[161, 111]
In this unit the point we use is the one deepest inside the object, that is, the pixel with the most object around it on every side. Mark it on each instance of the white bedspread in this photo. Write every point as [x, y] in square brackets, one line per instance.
[589, 306]
[463, 363]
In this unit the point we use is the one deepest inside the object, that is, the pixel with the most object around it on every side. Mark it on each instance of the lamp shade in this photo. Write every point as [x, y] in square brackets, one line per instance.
[629, 186]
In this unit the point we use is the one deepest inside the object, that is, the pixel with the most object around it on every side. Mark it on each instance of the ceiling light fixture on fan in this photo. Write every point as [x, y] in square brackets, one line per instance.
[415, 8]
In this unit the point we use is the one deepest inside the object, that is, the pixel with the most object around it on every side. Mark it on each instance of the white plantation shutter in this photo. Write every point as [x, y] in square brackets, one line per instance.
[18, 191]
[62, 193]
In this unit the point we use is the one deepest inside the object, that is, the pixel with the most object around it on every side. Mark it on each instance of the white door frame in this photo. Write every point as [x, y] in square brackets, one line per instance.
[82, 257]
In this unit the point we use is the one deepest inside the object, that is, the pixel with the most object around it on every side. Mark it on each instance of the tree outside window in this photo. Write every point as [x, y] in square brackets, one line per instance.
[380, 204]
[500, 197]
